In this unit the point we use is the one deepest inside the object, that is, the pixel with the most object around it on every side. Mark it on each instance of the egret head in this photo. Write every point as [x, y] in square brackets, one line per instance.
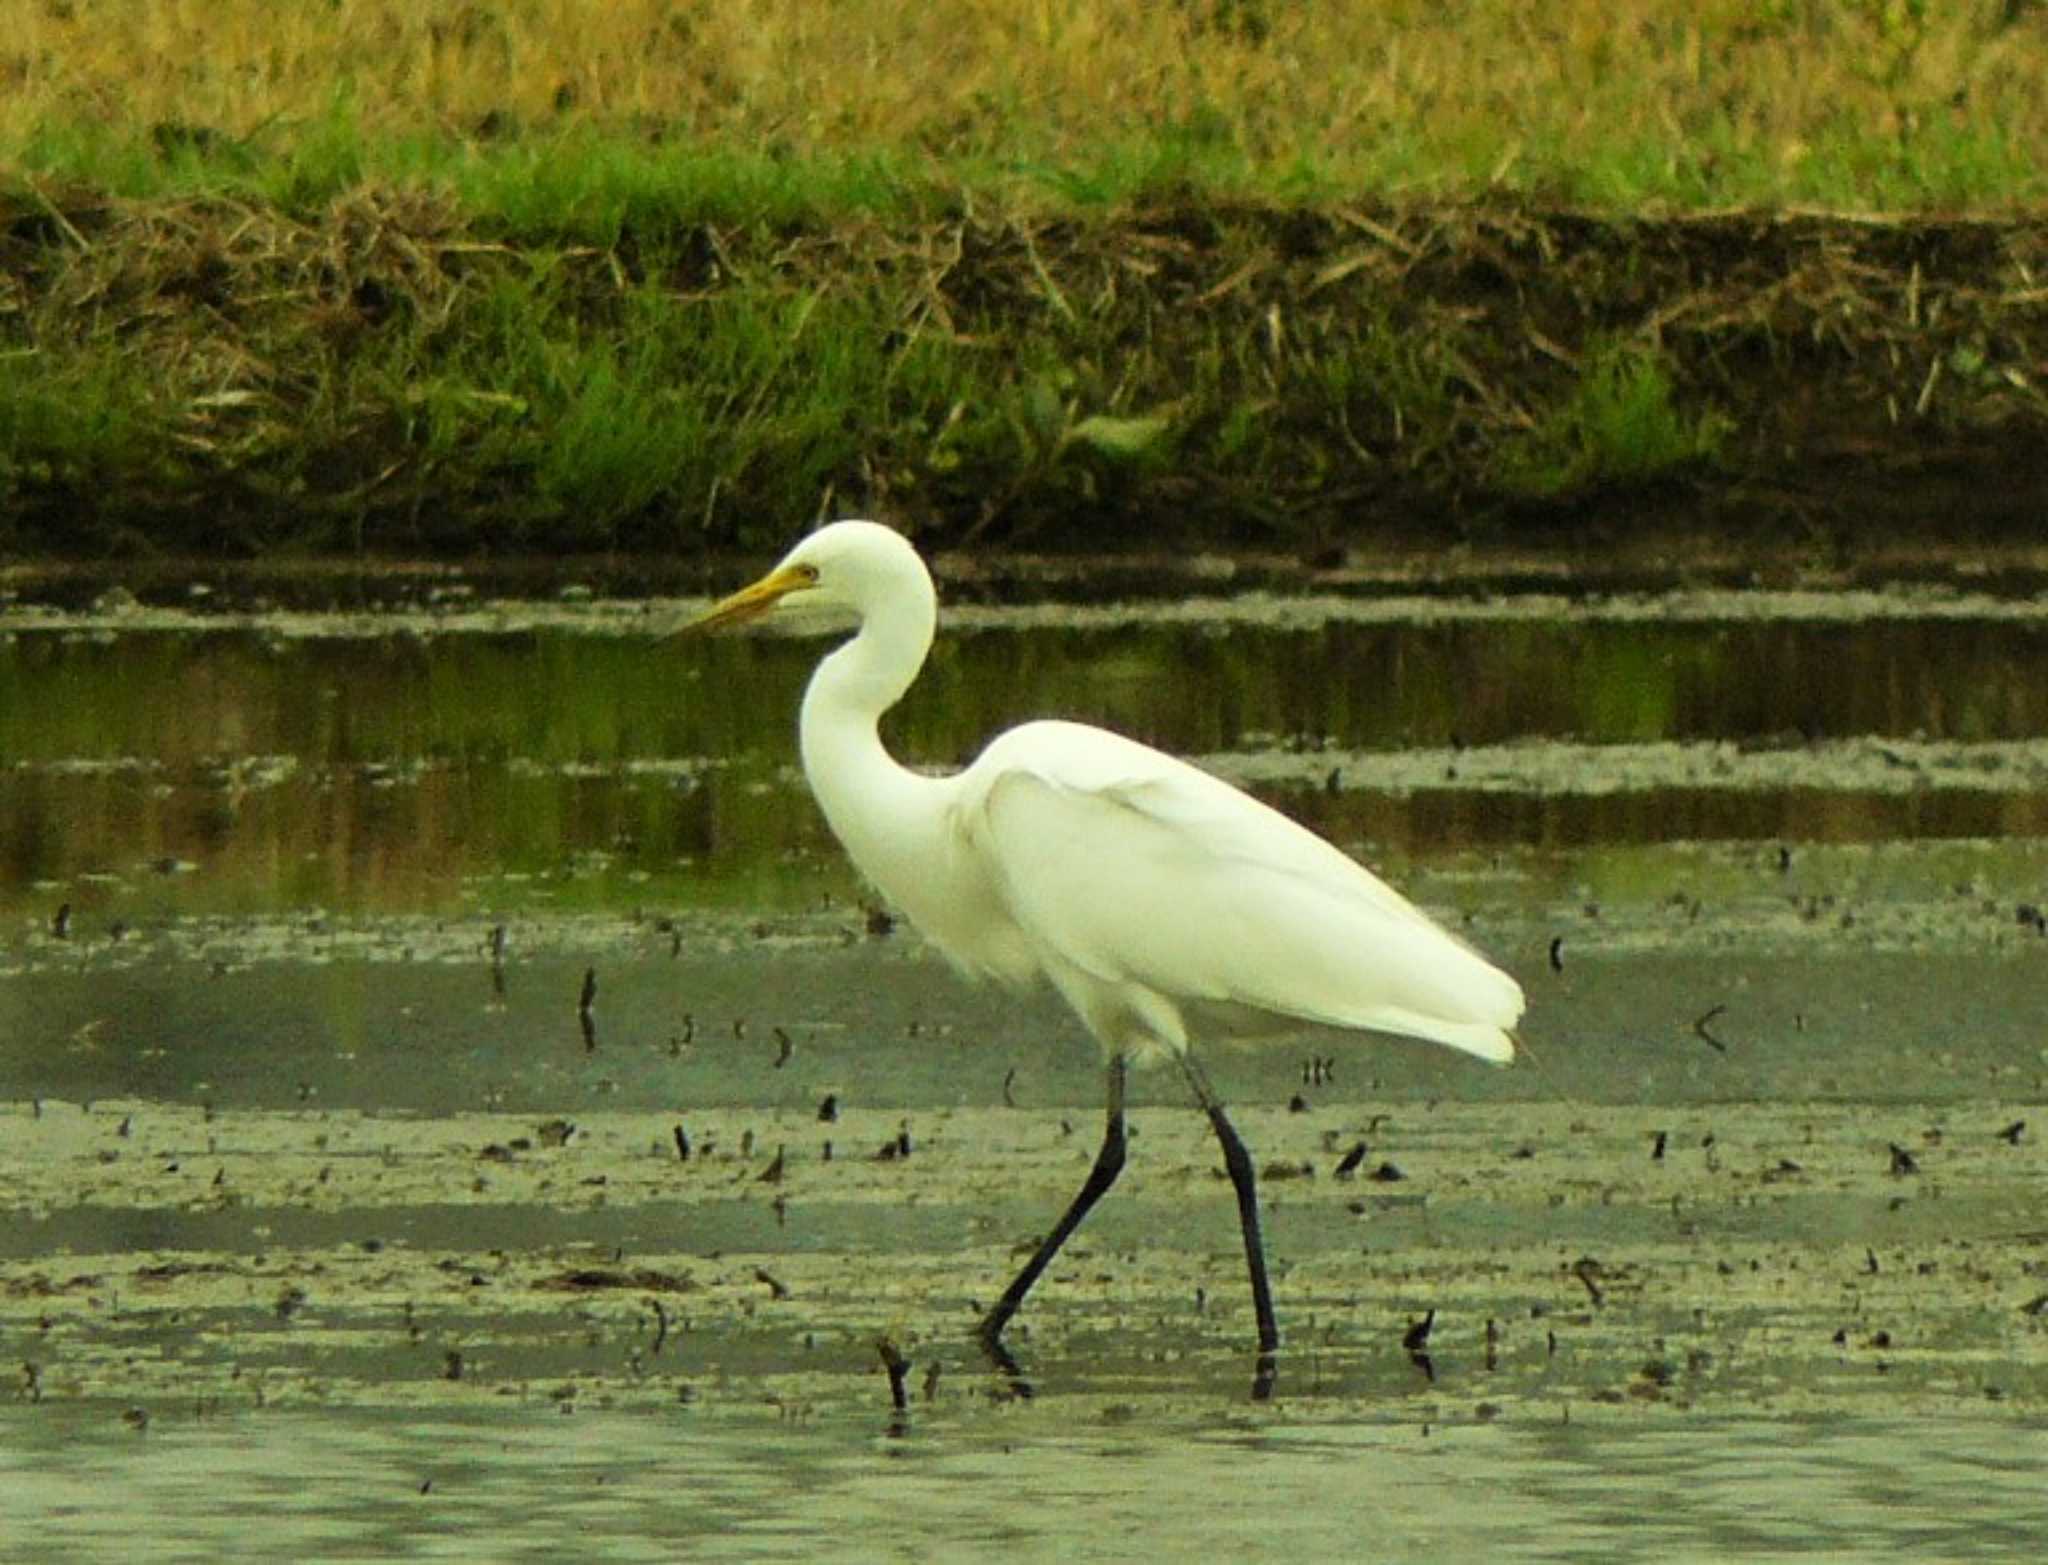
[838, 576]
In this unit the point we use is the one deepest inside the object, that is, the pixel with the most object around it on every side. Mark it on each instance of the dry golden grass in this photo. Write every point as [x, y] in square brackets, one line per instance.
[1693, 99]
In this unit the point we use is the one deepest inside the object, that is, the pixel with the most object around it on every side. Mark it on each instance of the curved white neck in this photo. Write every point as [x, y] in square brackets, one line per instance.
[877, 808]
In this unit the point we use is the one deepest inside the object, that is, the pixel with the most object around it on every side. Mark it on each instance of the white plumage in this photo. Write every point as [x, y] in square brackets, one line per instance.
[1150, 894]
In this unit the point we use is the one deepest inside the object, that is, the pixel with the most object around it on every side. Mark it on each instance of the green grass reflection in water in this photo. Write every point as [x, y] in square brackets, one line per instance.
[247, 770]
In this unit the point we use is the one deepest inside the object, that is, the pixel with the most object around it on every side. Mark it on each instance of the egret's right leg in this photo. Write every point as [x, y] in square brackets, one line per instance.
[1109, 1162]
[1237, 1162]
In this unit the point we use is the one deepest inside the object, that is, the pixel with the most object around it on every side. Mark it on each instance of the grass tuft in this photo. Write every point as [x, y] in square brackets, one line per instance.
[1619, 424]
[84, 426]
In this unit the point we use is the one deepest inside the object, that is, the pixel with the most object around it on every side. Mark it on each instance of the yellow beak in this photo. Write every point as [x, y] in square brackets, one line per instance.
[751, 602]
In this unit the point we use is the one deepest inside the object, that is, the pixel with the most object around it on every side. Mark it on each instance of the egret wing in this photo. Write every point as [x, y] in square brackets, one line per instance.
[1137, 868]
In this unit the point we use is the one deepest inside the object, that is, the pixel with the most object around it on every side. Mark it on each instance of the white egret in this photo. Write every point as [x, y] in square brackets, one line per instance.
[1154, 898]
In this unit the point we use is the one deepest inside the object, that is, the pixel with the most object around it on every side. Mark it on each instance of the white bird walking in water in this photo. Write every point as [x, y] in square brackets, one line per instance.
[1154, 897]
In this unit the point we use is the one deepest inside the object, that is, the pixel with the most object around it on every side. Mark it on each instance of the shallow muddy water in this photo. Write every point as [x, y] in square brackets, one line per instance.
[1043, 1482]
[334, 1223]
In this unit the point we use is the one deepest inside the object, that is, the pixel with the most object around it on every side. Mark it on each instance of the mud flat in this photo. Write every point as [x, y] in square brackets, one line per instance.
[1752, 1165]
[1748, 1257]
[1789, 1259]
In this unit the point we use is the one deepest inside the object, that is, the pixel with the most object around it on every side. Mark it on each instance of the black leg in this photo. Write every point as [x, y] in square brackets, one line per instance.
[1109, 1162]
[1238, 1162]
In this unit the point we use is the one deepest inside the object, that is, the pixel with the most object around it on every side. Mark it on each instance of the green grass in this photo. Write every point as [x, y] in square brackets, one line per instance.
[645, 417]
[1619, 423]
[578, 187]
[587, 187]
[76, 421]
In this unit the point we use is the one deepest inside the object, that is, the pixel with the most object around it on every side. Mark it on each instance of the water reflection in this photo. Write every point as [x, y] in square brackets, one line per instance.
[241, 770]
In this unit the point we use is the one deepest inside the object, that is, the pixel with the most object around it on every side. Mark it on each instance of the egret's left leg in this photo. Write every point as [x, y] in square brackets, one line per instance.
[1109, 1162]
[1238, 1162]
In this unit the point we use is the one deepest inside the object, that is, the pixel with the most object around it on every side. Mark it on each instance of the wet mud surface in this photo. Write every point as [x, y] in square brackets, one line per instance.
[1832, 1259]
[1746, 1259]
[1738, 1172]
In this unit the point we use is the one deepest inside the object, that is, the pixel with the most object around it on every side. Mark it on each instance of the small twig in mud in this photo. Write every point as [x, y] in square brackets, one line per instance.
[1700, 1027]
[660, 1326]
[1416, 1341]
[784, 1048]
[1416, 1337]
[893, 1151]
[898, 1367]
[1586, 1269]
[776, 1289]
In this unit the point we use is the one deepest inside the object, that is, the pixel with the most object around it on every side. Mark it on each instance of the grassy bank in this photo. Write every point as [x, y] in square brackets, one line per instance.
[553, 275]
